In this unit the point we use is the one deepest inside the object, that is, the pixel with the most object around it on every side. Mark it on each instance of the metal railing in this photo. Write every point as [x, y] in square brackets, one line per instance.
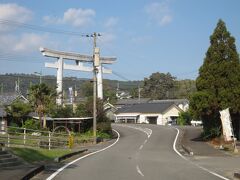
[16, 136]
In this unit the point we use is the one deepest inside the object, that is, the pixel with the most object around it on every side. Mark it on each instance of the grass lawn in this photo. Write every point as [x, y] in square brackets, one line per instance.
[38, 155]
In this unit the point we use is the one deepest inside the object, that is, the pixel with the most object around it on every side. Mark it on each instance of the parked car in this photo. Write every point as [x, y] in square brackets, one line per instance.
[196, 122]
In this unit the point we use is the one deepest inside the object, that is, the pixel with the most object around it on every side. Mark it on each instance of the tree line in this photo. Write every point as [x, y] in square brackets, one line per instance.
[42, 100]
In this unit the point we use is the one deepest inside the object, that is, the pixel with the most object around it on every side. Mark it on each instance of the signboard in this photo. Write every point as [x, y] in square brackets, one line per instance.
[226, 125]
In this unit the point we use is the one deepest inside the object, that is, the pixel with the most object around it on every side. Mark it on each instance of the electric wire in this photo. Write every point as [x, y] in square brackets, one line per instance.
[40, 28]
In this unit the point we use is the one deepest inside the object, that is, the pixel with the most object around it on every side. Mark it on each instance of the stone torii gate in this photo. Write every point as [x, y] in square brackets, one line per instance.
[79, 59]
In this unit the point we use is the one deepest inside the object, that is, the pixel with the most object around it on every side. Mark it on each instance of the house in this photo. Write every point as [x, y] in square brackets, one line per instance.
[7, 100]
[160, 113]
[181, 103]
[109, 110]
[123, 102]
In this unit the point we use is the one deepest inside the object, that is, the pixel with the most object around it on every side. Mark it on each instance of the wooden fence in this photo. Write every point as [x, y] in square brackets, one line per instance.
[16, 136]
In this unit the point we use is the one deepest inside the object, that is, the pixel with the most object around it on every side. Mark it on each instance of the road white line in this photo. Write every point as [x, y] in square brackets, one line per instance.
[65, 166]
[140, 147]
[139, 171]
[145, 130]
[203, 168]
[145, 141]
[174, 145]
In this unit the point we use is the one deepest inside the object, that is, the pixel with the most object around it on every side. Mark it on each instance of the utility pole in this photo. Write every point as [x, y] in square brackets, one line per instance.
[40, 76]
[139, 93]
[17, 86]
[1, 88]
[96, 63]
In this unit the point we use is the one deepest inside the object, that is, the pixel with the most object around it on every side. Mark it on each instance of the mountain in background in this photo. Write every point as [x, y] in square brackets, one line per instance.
[182, 88]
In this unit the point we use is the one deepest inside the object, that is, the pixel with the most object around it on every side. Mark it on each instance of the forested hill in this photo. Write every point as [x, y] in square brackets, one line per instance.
[181, 88]
[8, 82]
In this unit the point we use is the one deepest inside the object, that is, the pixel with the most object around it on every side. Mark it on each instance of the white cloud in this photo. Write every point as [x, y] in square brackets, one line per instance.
[75, 17]
[24, 43]
[111, 22]
[159, 12]
[13, 12]
[29, 42]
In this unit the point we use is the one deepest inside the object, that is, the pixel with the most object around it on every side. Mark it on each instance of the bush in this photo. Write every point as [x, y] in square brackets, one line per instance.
[104, 127]
[31, 124]
[184, 118]
[210, 133]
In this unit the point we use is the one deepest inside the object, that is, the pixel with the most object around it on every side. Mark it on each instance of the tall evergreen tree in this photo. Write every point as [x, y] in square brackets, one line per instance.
[218, 83]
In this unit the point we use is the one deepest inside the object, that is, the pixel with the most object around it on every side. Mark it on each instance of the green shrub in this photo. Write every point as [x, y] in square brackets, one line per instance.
[104, 127]
[184, 118]
[31, 124]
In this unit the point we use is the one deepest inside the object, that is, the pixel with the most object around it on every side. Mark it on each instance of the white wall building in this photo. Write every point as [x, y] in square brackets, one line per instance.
[160, 113]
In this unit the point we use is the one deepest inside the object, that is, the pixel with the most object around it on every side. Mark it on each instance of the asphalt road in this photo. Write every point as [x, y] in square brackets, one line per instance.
[142, 152]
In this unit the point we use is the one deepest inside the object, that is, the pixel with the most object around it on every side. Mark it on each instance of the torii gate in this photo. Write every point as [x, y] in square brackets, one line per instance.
[79, 59]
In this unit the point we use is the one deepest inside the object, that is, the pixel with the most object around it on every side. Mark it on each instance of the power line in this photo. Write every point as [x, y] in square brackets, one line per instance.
[40, 28]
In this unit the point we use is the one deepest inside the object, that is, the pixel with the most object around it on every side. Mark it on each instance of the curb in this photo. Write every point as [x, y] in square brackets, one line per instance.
[33, 172]
[181, 144]
[188, 150]
[40, 168]
[61, 158]
[237, 175]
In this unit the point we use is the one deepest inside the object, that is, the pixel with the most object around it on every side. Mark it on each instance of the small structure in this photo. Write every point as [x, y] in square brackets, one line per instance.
[70, 123]
[160, 113]
[109, 111]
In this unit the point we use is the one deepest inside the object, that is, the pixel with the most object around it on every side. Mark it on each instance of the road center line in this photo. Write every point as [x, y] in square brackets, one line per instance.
[147, 131]
[139, 171]
[203, 168]
[70, 163]
[145, 141]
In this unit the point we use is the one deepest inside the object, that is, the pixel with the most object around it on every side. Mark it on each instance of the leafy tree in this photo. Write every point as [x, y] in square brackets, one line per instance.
[81, 110]
[86, 110]
[158, 85]
[109, 94]
[42, 97]
[134, 92]
[185, 88]
[62, 111]
[31, 124]
[87, 89]
[218, 83]
[18, 110]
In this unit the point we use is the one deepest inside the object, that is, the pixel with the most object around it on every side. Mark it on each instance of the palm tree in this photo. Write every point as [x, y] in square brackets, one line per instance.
[42, 97]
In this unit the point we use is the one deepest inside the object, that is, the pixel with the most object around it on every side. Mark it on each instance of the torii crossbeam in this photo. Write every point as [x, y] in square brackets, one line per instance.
[79, 59]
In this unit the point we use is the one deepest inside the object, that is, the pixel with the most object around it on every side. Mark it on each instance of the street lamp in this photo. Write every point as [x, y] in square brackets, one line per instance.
[40, 76]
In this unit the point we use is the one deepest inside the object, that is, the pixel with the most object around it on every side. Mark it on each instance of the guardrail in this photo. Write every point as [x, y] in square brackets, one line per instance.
[16, 136]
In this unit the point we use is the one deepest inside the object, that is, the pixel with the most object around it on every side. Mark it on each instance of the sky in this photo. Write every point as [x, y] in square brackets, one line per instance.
[145, 36]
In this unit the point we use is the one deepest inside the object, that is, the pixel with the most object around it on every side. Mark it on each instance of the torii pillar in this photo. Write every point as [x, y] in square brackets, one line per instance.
[59, 81]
